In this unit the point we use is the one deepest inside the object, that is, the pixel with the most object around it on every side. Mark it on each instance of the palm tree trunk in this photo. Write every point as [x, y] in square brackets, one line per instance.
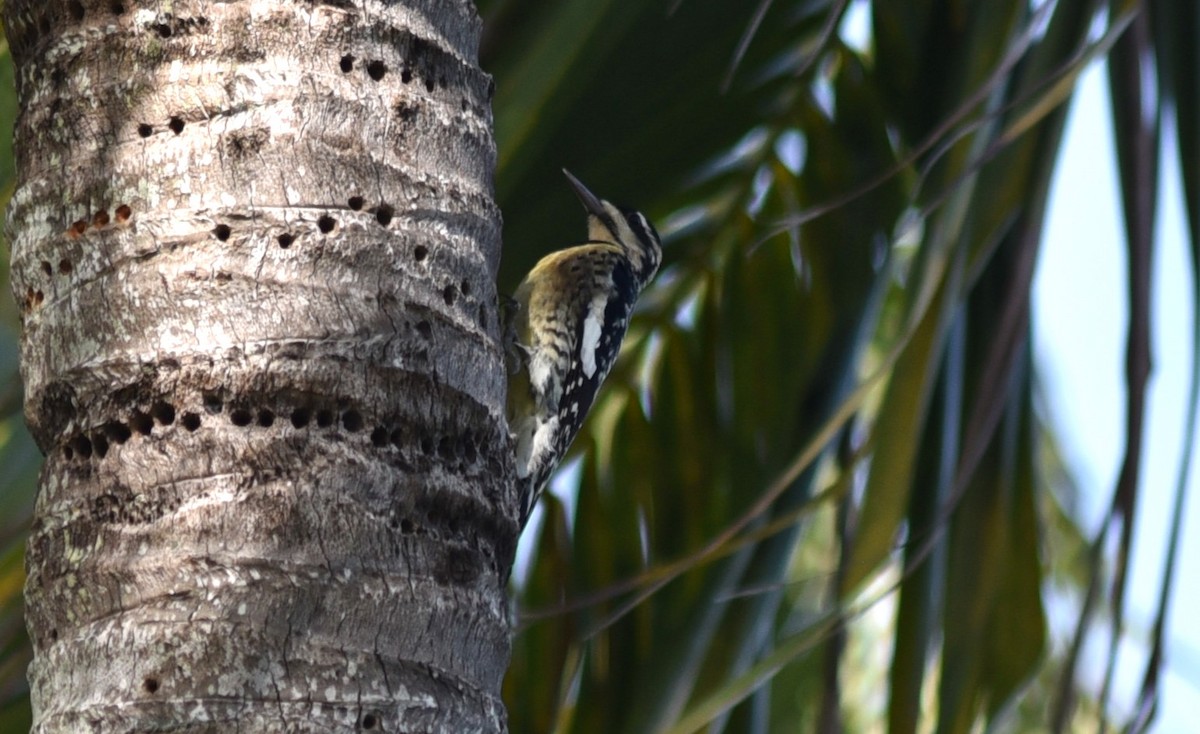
[255, 248]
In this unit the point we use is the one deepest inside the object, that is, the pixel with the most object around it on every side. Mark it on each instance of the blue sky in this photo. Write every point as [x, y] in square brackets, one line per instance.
[1080, 320]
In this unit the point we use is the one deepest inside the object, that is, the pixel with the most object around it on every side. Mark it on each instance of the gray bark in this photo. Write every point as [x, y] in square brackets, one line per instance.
[255, 246]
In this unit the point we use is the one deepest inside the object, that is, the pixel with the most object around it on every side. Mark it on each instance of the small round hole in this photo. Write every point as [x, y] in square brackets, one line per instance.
[301, 417]
[449, 293]
[420, 252]
[369, 721]
[100, 444]
[117, 432]
[465, 287]
[190, 421]
[141, 423]
[82, 446]
[163, 412]
[80, 226]
[424, 329]
[376, 69]
[379, 437]
[76, 9]
[222, 231]
[285, 240]
[150, 685]
[406, 76]
[384, 214]
[213, 403]
[100, 218]
[352, 420]
[47, 268]
[326, 223]
[124, 212]
[118, 8]
[163, 29]
[324, 418]
[240, 417]
[355, 203]
[266, 418]
[176, 125]
[346, 64]
[145, 130]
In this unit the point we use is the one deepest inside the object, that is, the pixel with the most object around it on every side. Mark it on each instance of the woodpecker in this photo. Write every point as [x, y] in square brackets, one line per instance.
[564, 330]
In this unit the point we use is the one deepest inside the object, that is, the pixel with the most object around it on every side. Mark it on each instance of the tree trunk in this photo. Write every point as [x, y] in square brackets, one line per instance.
[255, 247]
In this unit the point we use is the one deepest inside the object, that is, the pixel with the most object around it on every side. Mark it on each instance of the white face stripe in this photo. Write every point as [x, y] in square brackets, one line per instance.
[645, 223]
[641, 245]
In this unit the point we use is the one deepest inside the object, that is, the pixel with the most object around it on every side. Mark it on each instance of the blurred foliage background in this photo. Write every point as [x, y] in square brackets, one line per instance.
[818, 493]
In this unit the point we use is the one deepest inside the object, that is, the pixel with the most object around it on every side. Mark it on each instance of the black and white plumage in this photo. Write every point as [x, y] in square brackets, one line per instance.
[566, 326]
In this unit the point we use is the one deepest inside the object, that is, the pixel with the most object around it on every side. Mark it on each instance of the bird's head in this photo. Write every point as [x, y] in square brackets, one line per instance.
[626, 228]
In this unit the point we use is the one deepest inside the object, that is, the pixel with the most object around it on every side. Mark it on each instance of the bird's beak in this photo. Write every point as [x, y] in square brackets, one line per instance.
[587, 198]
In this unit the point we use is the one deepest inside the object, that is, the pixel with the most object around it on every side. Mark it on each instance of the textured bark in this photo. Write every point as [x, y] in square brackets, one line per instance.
[255, 246]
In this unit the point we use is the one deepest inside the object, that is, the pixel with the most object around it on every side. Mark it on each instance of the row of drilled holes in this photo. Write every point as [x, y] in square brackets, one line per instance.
[383, 215]
[325, 223]
[84, 446]
[376, 69]
[78, 11]
[100, 220]
[163, 29]
[370, 720]
[175, 124]
[119, 432]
